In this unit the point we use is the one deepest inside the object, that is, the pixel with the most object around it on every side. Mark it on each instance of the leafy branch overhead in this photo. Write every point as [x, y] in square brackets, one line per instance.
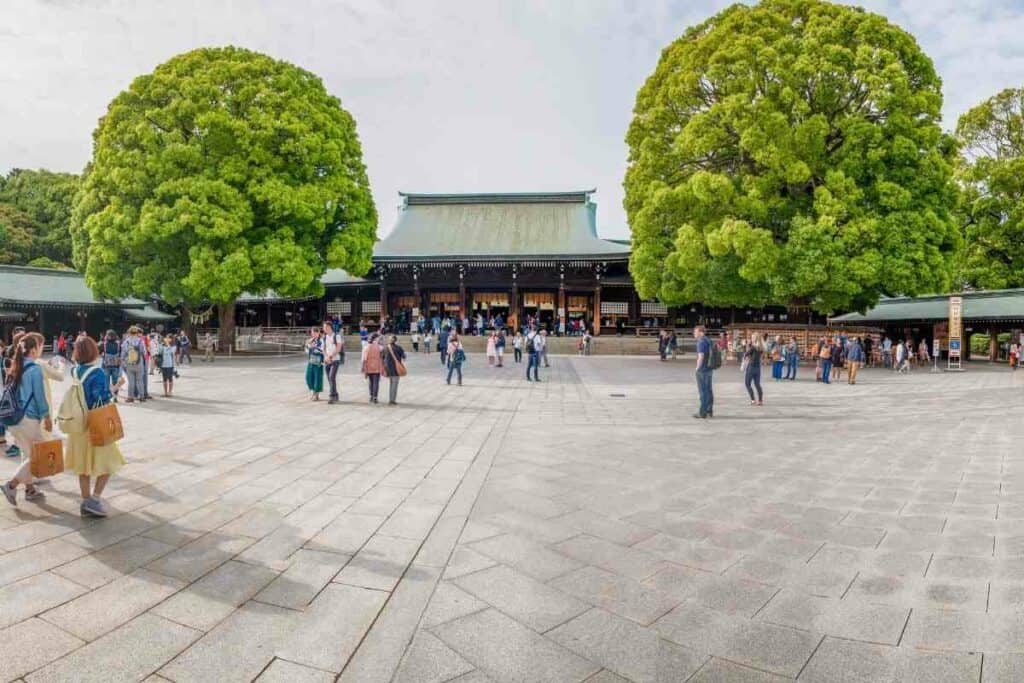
[992, 139]
[223, 171]
[791, 152]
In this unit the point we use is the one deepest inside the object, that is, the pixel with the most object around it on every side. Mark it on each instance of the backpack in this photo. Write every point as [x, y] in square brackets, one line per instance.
[11, 410]
[111, 355]
[715, 357]
[73, 414]
[530, 347]
[134, 354]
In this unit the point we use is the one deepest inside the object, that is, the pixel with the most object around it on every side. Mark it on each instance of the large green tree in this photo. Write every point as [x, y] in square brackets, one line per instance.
[992, 174]
[790, 153]
[17, 235]
[223, 171]
[46, 198]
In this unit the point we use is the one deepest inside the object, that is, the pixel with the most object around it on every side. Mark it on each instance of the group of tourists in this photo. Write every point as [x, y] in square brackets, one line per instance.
[28, 416]
[126, 360]
[381, 355]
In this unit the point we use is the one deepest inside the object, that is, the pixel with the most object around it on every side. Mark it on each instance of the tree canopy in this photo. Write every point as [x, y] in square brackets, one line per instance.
[42, 201]
[223, 171]
[992, 174]
[791, 152]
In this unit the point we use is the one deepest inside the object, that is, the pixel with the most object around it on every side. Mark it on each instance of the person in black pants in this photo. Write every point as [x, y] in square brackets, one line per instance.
[752, 355]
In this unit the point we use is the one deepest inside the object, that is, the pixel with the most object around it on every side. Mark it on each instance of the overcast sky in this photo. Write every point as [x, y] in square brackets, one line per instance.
[449, 95]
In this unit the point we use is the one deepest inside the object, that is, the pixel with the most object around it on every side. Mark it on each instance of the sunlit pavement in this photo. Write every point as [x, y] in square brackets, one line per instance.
[583, 528]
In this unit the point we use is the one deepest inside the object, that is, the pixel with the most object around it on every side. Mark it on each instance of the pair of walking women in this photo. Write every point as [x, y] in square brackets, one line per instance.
[387, 359]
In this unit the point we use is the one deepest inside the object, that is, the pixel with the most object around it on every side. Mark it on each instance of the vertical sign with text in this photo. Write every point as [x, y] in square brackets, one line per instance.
[956, 308]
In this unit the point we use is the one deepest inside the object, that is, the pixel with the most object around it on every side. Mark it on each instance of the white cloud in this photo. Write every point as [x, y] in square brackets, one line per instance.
[449, 95]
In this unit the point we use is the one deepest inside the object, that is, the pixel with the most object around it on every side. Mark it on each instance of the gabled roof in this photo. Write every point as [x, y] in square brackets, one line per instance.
[28, 286]
[524, 225]
[997, 304]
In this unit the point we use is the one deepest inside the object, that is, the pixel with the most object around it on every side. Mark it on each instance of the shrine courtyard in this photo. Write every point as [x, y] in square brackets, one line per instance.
[583, 529]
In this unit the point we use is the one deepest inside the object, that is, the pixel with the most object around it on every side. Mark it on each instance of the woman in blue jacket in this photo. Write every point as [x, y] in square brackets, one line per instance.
[27, 377]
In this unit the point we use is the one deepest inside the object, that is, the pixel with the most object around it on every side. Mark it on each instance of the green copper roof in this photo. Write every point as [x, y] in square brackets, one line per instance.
[1001, 304]
[22, 285]
[147, 314]
[509, 225]
[337, 276]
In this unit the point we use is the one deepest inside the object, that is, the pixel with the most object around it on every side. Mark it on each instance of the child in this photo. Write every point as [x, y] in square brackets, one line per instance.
[426, 342]
[167, 364]
[416, 342]
[82, 458]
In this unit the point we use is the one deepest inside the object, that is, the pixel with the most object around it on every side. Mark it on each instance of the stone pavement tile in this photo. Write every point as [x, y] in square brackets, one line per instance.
[257, 522]
[104, 609]
[1006, 596]
[606, 676]
[507, 651]
[616, 531]
[129, 653]
[478, 531]
[212, 598]
[617, 594]
[31, 533]
[627, 561]
[251, 634]
[733, 595]
[347, 533]
[114, 561]
[23, 563]
[437, 549]
[961, 567]
[200, 556]
[380, 500]
[622, 646]
[842, 618]
[413, 521]
[837, 558]
[111, 530]
[283, 671]
[34, 595]
[813, 580]
[31, 644]
[525, 555]
[381, 650]
[380, 563]
[920, 593]
[846, 660]
[677, 582]
[197, 522]
[331, 628]
[721, 671]
[464, 561]
[530, 526]
[1002, 668]
[526, 600]
[942, 630]
[696, 554]
[308, 573]
[776, 649]
[450, 602]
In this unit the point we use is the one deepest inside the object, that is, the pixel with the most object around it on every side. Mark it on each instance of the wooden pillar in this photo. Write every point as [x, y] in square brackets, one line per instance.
[513, 309]
[993, 344]
[463, 309]
[383, 301]
[597, 310]
[634, 307]
[561, 306]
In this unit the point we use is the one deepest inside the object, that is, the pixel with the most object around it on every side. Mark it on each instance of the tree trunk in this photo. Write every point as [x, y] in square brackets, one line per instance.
[226, 316]
[186, 321]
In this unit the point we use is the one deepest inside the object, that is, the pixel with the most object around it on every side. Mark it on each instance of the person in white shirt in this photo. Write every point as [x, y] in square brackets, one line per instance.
[334, 348]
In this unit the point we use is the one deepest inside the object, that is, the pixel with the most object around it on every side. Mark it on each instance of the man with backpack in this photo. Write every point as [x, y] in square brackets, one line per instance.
[334, 353]
[133, 362]
[709, 359]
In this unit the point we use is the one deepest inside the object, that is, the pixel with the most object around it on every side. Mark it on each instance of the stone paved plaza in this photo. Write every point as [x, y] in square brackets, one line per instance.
[586, 528]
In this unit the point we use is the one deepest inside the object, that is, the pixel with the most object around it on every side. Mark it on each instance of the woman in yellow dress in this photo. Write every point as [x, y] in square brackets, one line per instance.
[82, 458]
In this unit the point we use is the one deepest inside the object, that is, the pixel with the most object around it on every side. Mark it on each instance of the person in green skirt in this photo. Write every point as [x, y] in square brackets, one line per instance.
[315, 366]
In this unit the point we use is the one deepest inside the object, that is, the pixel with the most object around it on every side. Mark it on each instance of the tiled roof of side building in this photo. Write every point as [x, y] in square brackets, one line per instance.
[497, 226]
[1000, 304]
[28, 286]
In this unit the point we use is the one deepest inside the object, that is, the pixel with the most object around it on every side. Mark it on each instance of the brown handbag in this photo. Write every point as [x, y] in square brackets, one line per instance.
[399, 365]
[47, 458]
[105, 425]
